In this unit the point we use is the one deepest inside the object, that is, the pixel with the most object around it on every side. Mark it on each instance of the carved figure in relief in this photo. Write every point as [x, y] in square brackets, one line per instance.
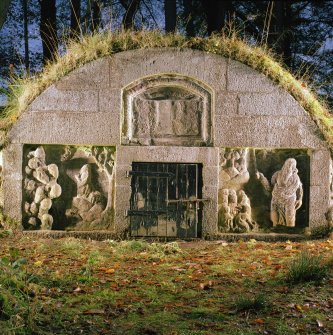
[235, 214]
[234, 173]
[41, 188]
[88, 204]
[287, 194]
[225, 216]
[90, 209]
[243, 219]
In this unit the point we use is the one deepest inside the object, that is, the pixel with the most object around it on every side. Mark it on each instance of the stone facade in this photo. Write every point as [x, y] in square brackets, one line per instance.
[249, 156]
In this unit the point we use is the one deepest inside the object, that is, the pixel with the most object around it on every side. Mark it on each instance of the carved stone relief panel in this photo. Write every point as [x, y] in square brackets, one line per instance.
[68, 187]
[263, 190]
[167, 110]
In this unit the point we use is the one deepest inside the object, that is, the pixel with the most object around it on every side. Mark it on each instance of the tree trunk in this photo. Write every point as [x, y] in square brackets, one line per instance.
[188, 16]
[4, 6]
[280, 35]
[96, 15]
[26, 37]
[131, 8]
[75, 17]
[217, 14]
[48, 29]
[170, 12]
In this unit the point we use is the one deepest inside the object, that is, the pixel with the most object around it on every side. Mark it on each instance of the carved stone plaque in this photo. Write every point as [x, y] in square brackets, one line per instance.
[167, 110]
[68, 187]
[263, 190]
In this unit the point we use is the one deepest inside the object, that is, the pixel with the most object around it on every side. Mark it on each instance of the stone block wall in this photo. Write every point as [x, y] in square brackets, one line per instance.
[246, 110]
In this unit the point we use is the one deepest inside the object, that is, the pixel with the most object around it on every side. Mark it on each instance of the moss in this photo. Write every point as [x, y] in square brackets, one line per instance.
[24, 90]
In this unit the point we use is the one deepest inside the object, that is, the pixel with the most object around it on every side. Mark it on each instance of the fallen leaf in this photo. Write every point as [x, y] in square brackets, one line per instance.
[77, 290]
[320, 323]
[109, 271]
[259, 321]
[299, 308]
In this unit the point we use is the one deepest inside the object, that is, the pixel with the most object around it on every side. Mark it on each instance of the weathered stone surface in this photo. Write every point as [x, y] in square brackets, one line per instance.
[93, 75]
[259, 104]
[12, 180]
[241, 78]
[193, 63]
[74, 100]
[122, 195]
[126, 155]
[122, 174]
[110, 102]
[272, 131]
[320, 168]
[69, 128]
[289, 106]
[210, 226]
[226, 103]
[319, 203]
[276, 103]
[210, 175]
[210, 192]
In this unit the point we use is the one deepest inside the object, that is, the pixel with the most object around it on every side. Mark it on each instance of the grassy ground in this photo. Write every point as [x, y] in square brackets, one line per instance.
[72, 286]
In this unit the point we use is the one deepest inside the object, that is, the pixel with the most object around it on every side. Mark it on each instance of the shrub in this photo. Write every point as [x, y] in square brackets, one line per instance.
[306, 268]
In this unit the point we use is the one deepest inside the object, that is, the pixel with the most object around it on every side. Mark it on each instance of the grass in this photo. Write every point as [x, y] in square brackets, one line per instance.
[136, 288]
[305, 268]
[227, 44]
[250, 303]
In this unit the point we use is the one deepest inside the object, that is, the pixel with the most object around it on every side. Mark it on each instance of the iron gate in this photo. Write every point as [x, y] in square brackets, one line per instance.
[166, 199]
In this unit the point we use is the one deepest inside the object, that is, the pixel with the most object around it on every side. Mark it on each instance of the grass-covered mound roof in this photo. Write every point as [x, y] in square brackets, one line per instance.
[24, 90]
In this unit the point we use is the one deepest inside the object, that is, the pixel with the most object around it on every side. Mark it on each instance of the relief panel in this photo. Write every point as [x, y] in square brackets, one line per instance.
[67, 187]
[263, 190]
[167, 110]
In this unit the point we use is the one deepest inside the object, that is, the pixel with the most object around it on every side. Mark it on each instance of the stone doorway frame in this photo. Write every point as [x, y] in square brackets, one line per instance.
[207, 156]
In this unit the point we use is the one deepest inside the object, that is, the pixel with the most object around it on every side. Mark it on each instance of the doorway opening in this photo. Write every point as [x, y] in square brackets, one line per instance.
[166, 200]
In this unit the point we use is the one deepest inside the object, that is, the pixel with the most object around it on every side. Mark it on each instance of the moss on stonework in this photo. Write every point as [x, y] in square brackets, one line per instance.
[91, 47]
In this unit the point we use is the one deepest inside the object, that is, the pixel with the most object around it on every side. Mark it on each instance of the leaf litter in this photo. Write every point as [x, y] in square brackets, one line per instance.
[204, 287]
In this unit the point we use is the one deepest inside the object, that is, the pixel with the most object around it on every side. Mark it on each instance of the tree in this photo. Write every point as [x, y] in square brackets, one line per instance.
[217, 13]
[131, 8]
[188, 15]
[170, 14]
[4, 6]
[48, 29]
[297, 30]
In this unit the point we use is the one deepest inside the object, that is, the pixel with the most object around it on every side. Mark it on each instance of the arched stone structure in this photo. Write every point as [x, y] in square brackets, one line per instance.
[126, 131]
